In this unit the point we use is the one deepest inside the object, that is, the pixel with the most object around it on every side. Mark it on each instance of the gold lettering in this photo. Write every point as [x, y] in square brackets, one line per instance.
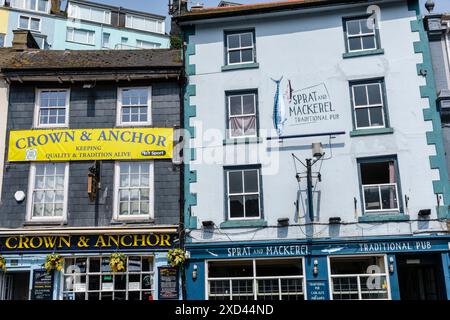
[8, 243]
[66, 241]
[141, 240]
[101, 241]
[122, 241]
[32, 242]
[50, 242]
[23, 243]
[165, 240]
[114, 239]
[149, 240]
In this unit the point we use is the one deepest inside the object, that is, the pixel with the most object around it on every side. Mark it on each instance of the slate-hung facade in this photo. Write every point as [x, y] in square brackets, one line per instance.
[82, 25]
[336, 86]
[129, 96]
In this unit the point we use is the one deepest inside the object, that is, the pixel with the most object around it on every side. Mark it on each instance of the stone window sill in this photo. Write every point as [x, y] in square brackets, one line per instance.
[240, 66]
[369, 132]
[348, 55]
[384, 217]
[242, 140]
[257, 223]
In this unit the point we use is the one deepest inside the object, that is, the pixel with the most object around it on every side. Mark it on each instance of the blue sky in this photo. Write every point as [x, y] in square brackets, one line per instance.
[160, 6]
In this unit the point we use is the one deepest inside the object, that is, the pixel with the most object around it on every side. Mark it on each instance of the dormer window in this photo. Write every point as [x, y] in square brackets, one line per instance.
[32, 5]
[81, 12]
[144, 23]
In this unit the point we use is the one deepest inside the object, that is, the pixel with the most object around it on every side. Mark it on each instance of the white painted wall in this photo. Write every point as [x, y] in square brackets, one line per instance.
[307, 49]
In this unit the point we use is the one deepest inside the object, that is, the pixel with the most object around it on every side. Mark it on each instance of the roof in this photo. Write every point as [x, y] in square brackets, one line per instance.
[256, 8]
[11, 59]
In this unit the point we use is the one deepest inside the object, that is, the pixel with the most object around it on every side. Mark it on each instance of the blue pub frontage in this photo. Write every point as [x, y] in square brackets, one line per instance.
[329, 180]
[319, 269]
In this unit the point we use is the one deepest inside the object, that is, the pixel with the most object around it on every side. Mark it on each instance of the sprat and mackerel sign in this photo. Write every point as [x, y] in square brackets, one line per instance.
[90, 144]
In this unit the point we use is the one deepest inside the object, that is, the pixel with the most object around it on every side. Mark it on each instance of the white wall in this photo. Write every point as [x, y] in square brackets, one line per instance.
[307, 49]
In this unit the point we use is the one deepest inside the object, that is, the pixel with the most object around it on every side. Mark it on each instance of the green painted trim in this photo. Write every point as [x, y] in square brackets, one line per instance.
[243, 223]
[349, 55]
[384, 217]
[190, 199]
[442, 212]
[240, 66]
[369, 132]
[429, 92]
[242, 140]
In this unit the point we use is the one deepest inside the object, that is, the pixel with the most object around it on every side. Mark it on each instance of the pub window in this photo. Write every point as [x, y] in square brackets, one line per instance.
[242, 114]
[134, 192]
[361, 34]
[275, 279]
[359, 278]
[48, 190]
[134, 106]
[91, 278]
[380, 185]
[243, 193]
[368, 104]
[240, 47]
[52, 108]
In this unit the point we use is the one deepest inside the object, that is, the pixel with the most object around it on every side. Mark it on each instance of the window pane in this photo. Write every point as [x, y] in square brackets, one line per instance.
[236, 206]
[235, 105]
[233, 41]
[252, 206]
[246, 40]
[235, 56]
[374, 94]
[360, 95]
[367, 25]
[369, 42]
[362, 117]
[222, 269]
[389, 197]
[35, 24]
[251, 180]
[235, 182]
[354, 44]
[247, 55]
[23, 22]
[376, 116]
[42, 5]
[377, 172]
[372, 198]
[249, 104]
[353, 27]
[288, 267]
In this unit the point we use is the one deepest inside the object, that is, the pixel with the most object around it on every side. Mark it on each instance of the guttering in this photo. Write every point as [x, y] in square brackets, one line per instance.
[88, 231]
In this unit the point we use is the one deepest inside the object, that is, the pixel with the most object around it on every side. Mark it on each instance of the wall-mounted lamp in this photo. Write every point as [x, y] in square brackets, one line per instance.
[425, 213]
[19, 196]
[316, 267]
[391, 264]
[208, 223]
[194, 272]
[283, 222]
[334, 220]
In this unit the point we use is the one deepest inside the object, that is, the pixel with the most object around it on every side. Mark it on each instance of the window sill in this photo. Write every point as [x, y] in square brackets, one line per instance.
[82, 43]
[242, 140]
[45, 223]
[119, 221]
[240, 66]
[348, 55]
[243, 223]
[384, 217]
[369, 132]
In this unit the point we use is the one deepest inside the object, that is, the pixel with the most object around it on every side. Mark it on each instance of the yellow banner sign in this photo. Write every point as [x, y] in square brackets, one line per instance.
[90, 144]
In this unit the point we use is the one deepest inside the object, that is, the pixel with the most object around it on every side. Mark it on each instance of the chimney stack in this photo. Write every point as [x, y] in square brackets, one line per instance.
[55, 6]
[23, 40]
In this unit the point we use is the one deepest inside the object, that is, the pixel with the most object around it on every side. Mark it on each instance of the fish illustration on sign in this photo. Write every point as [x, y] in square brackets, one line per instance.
[279, 109]
[332, 250]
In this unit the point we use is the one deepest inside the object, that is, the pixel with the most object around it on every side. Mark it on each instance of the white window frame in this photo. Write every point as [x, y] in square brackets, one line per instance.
[87, 36]
[242, 115]
[241, 48]
[153, 273]
[361, 35]
[160, 26]
[151, 207]
[368, 106]
[381, 202]
[228, 195]
[37, 107]
[254, 277]
[103, 40]
[119, 108]
[2, 2]
[22, 6]
[386, 274]
[31, 182]
[74, 13]
[29, 23]
[140, 42]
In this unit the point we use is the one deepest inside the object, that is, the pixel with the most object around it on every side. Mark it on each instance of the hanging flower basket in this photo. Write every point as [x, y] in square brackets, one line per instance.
[2, 263]
[117, 262]
[54, 261]
[176, 257]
